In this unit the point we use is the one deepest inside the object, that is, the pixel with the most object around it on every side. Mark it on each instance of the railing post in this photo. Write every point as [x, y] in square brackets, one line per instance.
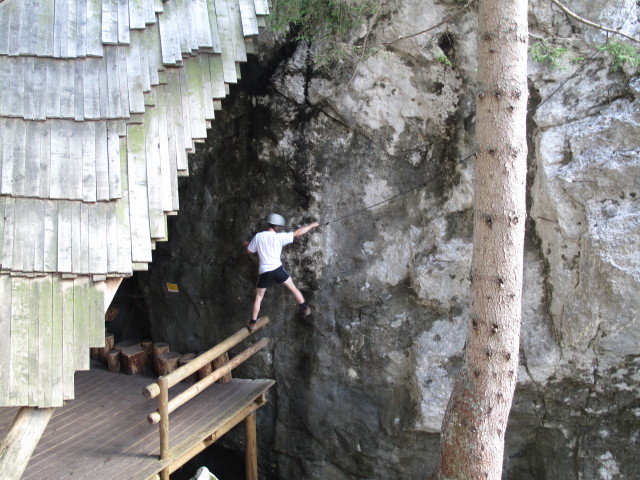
[163, 409]
[250, 447]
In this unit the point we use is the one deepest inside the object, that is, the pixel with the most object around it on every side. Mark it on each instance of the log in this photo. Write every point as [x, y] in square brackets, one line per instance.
[21, 440]
[207, 357]
[95, 352]
[147, 346]
[131, 342]
[112, 313]
[153, 390]
[132, 360]
[113, 361]
[221, 361]
[205, 370]
[250, 448]
[109, 343]
[158, 348]
[184, 359]
[168, 362]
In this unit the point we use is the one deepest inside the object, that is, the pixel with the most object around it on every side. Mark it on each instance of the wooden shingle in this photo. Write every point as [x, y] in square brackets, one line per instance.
[103, 101]
[249, 20]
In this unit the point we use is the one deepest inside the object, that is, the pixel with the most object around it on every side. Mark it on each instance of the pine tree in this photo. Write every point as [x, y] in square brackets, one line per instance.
[472, 442]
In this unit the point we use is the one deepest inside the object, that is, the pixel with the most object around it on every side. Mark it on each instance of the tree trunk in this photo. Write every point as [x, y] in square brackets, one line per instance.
[472, 442]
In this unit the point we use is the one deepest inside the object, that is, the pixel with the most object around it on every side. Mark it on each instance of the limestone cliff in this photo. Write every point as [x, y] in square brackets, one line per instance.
[361, 387]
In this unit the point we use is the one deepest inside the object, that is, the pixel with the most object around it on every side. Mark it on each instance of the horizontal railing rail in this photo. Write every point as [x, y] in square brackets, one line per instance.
[179, 374]
[160, 389]
[209, 380]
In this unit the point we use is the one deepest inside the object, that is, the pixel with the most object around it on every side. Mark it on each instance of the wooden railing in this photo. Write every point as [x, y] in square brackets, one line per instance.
[160, 389]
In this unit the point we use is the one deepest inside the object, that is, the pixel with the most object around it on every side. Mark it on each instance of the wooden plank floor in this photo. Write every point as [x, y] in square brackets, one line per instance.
[104, 433]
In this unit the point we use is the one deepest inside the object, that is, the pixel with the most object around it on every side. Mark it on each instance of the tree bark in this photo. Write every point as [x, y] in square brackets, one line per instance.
[167, 362]
[147, 346]
[133, 360]
[109, 343]
[206, 370]
[184, 359]
[158, 348]
[221, 361]
[113, 361]
[472, 441]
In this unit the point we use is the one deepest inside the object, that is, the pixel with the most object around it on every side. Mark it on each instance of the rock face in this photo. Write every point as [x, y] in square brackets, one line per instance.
[362, 386]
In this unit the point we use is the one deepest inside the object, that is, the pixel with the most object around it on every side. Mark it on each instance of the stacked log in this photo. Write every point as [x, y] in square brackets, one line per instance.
[167, 362]
[134, 356]
[147, 346]
[100, 353]
[159, 348]
[221, 361]
[184, 359]
[109, 343]
[113, 361]
[95, 353]
[206, 370]
[132, 359]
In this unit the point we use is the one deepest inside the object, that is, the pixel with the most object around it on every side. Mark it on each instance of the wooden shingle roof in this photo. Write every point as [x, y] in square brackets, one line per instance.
[101, 102]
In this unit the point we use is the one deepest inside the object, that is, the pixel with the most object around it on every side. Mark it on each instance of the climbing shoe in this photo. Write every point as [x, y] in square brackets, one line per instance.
[251, 325]
[306, 310]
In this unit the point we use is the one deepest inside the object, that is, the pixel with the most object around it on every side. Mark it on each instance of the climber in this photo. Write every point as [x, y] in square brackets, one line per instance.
[268, 245]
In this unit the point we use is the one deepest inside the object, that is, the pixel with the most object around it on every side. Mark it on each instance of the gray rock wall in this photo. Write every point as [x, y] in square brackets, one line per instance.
[362, 386]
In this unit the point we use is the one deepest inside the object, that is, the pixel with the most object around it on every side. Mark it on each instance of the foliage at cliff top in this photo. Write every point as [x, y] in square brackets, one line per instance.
[316, 19]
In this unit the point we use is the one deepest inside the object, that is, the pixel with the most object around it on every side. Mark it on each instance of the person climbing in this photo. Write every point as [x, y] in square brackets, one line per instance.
[268, 245]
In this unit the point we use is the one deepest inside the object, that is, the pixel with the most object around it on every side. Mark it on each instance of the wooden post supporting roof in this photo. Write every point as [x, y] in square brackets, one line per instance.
[250, 448]
[22, 439]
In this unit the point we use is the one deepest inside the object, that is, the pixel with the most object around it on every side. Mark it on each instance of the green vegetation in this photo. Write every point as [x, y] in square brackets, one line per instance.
[328, 21]
[441, 57]
[556, 57]
[315, 19]
[621, 53]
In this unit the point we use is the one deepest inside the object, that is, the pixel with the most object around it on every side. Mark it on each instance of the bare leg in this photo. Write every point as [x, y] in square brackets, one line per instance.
[294, 290]
[256, 303]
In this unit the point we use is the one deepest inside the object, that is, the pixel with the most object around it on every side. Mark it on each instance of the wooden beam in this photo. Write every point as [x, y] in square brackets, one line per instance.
[21, 440]
[250, 448]
[163, 405]
[216, 435]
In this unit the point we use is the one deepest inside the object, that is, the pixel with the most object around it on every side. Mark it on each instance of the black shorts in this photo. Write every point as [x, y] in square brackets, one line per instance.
[266, 279]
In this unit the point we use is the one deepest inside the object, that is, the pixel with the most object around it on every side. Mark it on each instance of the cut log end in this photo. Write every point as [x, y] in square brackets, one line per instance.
[167, 362]
[133, 360]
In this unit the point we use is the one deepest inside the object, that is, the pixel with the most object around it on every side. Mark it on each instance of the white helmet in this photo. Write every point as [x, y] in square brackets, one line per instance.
[275, 219]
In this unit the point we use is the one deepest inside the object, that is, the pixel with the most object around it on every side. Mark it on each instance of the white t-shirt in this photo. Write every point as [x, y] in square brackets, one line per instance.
[269, 247]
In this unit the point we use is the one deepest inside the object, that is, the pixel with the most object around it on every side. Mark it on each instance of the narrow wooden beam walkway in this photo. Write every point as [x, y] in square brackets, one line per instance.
[104, 435]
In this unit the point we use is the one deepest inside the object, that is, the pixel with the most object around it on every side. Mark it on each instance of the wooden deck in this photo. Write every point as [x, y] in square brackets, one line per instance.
[104, 433]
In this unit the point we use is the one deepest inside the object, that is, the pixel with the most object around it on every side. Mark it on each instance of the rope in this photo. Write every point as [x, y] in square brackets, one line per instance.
[398, 195]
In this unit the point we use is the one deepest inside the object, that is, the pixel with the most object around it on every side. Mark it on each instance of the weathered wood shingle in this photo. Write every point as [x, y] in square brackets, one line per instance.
[102, 100]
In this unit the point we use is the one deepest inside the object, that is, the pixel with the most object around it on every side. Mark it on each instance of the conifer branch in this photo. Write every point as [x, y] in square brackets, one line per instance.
[577, 17]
